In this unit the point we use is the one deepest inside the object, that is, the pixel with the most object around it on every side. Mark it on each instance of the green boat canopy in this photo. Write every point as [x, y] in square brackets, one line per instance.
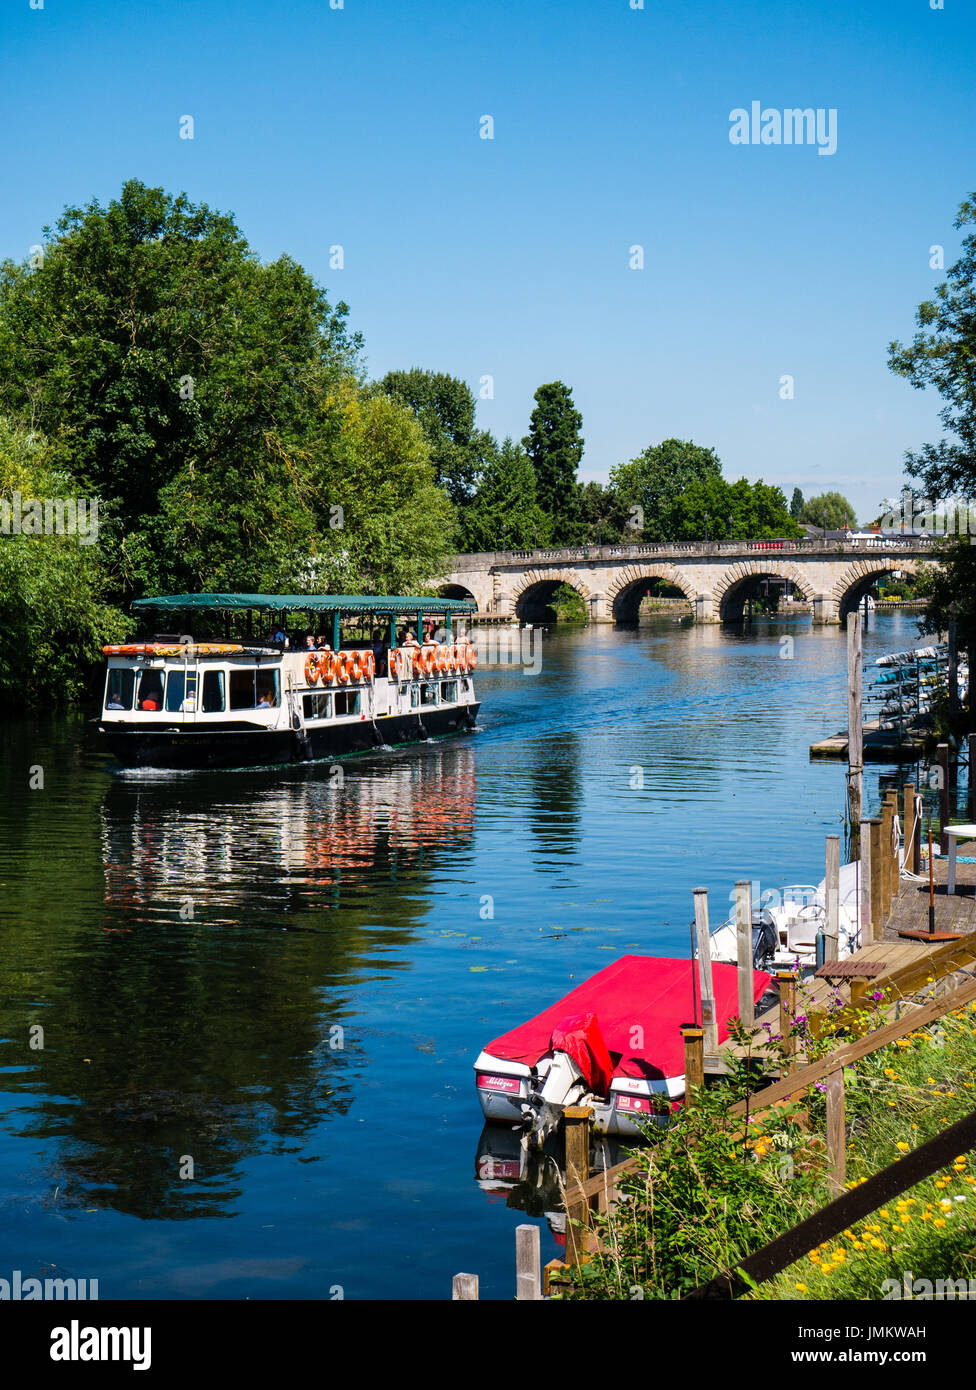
[309, 603]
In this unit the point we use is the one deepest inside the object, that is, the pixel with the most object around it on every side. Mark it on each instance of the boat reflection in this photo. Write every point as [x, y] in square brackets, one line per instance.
[534, 1181]
[189, 1039]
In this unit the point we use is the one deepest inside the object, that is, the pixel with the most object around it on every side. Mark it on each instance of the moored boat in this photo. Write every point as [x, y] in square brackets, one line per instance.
[613, 1043]
[178, 701]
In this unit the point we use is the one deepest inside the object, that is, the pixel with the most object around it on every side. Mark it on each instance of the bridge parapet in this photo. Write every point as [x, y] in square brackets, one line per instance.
[700, 549]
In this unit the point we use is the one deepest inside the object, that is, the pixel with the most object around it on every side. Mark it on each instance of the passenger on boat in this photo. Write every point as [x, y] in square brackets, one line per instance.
[321, 645]
[151, 695]
[379, 652]
[310, 643]
[410, 639]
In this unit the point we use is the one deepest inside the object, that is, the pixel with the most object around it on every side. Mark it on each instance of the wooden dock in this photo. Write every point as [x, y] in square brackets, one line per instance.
[879, 745]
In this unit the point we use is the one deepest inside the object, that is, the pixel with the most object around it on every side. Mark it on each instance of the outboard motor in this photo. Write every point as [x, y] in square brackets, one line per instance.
[564, 1085]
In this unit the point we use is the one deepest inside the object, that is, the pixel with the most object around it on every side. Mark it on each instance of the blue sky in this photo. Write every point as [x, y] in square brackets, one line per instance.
[509, 257]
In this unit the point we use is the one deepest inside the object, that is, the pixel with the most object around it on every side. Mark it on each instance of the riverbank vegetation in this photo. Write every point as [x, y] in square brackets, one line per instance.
[709, 1190]
[215, 413]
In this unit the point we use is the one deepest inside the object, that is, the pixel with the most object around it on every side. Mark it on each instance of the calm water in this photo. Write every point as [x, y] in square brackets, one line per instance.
[190, 943]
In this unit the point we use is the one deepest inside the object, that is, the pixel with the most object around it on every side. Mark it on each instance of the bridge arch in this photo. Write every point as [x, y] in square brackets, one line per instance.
[454, 591]
[531, 593]
[861, 576]
[741, 581]
[625, 591]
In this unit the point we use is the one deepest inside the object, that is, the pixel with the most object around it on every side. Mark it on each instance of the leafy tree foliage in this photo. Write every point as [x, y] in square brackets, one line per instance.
[505, 508]
[445, 407]
[838, 510]
[941, 355]
[54, 614]
[555, 446]
[796, 504]
[736, 511]
[649, 486]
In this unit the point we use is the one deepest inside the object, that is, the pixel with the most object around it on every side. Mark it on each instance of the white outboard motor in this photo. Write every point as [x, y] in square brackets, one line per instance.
[564, 1085]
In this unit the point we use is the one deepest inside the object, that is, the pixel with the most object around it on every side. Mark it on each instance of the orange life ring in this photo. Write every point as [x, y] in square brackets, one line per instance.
[357, 666]
[328, 668]
[393, 664]
[342, 666]
[472, 660]
[457, 660]
[418, 661]
[441, 660]
[369, 666]
[312, 668]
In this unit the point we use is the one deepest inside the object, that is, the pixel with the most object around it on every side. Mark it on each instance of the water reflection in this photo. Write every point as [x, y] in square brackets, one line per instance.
[201, 1013]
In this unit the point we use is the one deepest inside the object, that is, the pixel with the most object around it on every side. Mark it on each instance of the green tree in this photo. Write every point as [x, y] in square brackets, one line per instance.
[555, 446]
[796, 504]
[649, 486]
[942, 354]
[838, 510]
[735, 511]
[505, 507]
[601, 517]
[54, 614]
[153, 342]
[445, 408]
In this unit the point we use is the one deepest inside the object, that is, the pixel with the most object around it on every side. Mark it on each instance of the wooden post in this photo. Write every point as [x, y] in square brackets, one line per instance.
[832, 890]
[704, 942]
[836, 1134]
[528, 1263]
[885, 865]
[943, 757]
[855, 753]
[912, 831]
[743, 941]
[786, 981]
[891, 849]
[577, 1130]
[694, 1061]
[464, 1288]
[878, 914]
[869, 908]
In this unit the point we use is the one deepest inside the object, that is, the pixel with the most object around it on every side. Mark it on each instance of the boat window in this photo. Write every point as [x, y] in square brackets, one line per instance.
[213, 692]
[428, 693]
[120, 687]
[266, 686]
[151, 689]
[254, 689]
[347, 702]
[318, 706]
[449, 691]
[465, 686]
[414, 696]
[181, 692]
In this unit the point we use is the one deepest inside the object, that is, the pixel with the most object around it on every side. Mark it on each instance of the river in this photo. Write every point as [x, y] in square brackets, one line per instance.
[261, 993]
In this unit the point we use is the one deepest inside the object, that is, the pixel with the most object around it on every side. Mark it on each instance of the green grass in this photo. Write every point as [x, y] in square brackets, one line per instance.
[708, 1191]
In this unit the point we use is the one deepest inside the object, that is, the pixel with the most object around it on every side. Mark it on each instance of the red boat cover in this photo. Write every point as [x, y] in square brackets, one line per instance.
[633, 1010]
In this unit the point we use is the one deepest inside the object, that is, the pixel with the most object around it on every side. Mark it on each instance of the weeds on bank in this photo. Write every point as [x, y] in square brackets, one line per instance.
[710, 1189]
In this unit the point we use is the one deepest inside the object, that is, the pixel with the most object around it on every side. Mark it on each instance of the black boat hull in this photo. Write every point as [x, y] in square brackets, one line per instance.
[238, 744]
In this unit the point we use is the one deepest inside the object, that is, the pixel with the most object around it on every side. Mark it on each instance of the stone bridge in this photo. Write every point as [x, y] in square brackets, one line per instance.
[717, 577]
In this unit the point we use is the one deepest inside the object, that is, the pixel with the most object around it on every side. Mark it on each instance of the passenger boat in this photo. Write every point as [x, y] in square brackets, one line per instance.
[613, 1043]
[179, 701]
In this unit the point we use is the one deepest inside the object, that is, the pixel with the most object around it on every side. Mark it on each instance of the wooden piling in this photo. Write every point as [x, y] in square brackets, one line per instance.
[877, 903]
[464, 1288]
[786, 983]
[577, 1131]
[885, 865]
[832, 890]
[868, 904]
[694, 1061]
[913, 830]
[836, 1134]
[704, 942]
[743, 941]
[892, 848]
[528, 1263]
[855, 773]
[943, 759]
[877, 916]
